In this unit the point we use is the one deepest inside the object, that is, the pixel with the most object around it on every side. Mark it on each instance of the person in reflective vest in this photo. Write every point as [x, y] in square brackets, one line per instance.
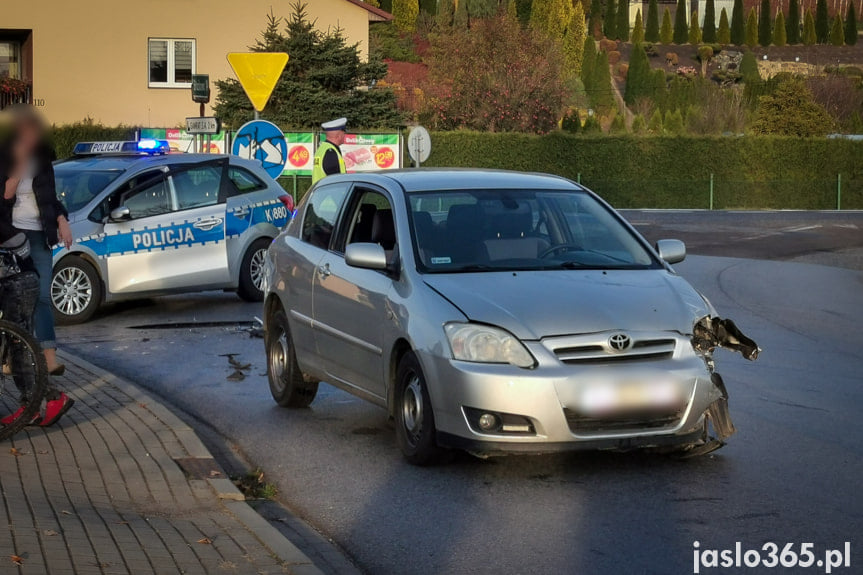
[328, 158]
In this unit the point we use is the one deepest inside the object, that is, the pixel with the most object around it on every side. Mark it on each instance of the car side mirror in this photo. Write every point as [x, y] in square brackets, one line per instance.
[367, 256]
[120, 214]
[672, 251]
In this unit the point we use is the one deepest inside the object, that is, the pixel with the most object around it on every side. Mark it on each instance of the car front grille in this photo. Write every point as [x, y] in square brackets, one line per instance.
[579, 423]
[644, 349]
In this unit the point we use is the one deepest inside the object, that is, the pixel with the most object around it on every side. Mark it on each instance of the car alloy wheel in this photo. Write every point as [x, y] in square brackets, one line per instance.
[71, 291]
[256, 268]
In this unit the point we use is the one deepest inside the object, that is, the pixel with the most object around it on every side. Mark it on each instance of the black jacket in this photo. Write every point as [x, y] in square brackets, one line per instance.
[50, 207]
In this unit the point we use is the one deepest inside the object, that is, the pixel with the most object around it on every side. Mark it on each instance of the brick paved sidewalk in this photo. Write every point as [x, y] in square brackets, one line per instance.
[105, 491]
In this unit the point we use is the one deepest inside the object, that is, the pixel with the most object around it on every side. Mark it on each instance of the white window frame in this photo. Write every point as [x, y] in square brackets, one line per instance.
[171, 63]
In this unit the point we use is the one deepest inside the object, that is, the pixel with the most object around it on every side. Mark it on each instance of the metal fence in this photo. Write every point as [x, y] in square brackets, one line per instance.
[835, 192]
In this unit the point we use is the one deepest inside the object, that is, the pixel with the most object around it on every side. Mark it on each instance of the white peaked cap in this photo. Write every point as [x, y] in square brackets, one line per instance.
[334, 125]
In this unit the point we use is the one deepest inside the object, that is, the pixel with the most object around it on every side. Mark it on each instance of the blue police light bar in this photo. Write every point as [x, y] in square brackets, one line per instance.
[147, 146]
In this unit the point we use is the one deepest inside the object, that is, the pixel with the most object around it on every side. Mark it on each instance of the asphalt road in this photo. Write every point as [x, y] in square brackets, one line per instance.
[791, 474]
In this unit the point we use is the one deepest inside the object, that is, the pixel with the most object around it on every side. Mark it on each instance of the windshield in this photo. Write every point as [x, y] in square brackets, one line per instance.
[496, 230]
[76, 188]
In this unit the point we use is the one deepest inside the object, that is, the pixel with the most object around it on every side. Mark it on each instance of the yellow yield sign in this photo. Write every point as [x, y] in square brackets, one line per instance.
[258, 72]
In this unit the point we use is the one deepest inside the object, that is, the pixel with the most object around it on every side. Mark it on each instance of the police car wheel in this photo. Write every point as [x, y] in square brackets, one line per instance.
[287, 384]
[76, 291]
[252, 271]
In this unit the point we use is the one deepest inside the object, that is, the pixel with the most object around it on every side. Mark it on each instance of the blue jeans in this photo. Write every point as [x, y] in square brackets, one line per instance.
[43, 319]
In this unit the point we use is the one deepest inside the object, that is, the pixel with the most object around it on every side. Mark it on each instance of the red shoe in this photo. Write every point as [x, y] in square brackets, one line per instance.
[55, 409]
[10, 419]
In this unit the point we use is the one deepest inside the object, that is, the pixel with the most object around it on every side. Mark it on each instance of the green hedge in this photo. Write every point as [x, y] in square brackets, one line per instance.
[65, 137]
[753, 172]
[675, 172]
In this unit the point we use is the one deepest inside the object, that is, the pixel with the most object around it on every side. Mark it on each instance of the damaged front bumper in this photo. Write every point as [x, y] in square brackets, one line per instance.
[708, 334]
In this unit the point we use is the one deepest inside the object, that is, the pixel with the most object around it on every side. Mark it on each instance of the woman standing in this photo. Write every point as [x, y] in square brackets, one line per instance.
[30, 201]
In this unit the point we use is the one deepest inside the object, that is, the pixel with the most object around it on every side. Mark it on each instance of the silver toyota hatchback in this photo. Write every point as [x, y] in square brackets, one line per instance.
[493, 312]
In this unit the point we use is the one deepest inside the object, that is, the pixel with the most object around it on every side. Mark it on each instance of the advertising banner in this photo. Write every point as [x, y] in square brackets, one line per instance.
[370, 152]
[301, 153]
[181, 141]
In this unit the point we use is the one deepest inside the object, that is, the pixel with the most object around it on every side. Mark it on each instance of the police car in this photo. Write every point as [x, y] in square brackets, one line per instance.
[150, 223]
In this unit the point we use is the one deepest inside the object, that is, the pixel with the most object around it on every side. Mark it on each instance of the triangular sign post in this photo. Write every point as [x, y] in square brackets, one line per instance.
[258, 73]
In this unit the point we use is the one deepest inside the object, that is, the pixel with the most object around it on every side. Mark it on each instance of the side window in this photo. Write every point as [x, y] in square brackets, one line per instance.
[244, 180]
[370, 221]
[321, 212]
[148, 200]
[197, 187]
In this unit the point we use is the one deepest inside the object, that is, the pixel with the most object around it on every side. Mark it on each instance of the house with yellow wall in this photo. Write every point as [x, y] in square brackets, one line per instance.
[131, 62]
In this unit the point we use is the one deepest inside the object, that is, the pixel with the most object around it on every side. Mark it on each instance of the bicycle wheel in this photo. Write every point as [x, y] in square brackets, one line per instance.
[23, 378]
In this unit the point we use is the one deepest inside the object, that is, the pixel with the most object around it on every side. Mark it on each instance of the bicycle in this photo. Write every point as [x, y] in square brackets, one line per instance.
[23, 378]
[23, 370]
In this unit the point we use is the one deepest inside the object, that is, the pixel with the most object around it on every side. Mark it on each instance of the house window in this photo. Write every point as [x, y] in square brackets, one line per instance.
[171, 63]
[10, 59]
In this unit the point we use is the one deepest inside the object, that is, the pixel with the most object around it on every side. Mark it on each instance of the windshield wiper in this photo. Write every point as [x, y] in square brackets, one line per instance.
[605, 255]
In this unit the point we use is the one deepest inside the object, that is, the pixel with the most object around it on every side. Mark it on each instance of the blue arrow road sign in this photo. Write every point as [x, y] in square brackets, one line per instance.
[262, 141]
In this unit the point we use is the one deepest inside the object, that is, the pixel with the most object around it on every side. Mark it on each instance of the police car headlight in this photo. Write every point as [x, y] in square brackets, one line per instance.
[486, 344]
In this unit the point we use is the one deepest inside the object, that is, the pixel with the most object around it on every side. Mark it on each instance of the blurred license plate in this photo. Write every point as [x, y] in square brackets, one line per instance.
[627, 396]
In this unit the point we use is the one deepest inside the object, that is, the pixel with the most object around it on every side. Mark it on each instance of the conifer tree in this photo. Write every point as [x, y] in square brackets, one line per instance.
[723, 35]
[851, 25]
[654, 126]
[594, 24]
[651, 31]
[694, 31]
[681, 30]
[837, 32]
[638, 76]
[666, 33]
[602, 95]
[752, 29]
[779, 37]
[622, 26]
[708, 33]
[738, 26]
[573, 40]
[810, 37]
[638, 29]
[765, 24]
[822, 22]
[792, 23]
[609, 22]
[405, 14]
[588, 63]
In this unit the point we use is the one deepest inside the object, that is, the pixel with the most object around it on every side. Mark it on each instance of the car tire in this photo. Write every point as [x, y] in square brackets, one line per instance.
[415, 426]
[252, 271]
[287, 385]
[76, 291]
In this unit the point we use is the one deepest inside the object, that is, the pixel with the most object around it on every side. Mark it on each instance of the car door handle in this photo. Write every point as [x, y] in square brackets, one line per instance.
[242, 212]
[324, 271]
[208, 224]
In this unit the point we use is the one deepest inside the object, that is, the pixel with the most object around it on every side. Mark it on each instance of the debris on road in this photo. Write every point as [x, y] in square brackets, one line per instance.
[239, 368]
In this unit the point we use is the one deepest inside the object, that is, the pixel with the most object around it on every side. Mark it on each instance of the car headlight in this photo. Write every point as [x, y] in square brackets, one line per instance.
[486, 344]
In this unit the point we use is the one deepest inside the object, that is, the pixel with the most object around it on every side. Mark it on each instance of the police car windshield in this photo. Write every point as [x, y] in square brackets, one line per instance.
[497, 230]
[76, 188]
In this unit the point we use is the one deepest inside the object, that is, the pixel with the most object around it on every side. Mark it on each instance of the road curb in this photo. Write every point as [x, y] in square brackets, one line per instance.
[192, 446]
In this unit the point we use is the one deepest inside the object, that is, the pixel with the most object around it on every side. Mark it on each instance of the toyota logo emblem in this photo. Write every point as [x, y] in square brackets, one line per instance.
[619, 342]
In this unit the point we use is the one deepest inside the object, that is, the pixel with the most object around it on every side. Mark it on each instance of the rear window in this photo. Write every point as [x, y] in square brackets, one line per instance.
[77, 188]
[244, 180]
